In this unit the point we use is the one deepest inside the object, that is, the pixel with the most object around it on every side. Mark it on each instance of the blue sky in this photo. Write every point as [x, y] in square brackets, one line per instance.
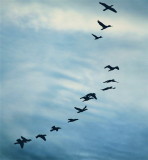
[49, 60]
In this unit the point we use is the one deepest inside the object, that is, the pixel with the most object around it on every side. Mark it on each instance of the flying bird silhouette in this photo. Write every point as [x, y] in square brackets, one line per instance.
[111, 68]
[19, 141]
[81, 110]
[107, 7]
[96, 37]
[89, 96]
[42, 136]
[22, 141]
[72, 120]
[104, 89]
[54, 128]
[111, 80]
[103, 25]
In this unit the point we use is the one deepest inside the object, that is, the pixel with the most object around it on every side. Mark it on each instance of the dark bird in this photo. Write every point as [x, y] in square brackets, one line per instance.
[22, 141]
[25, 140]
[103, 25]
[19, 141]
[107, 7]
[111, 68]
[89, 96]
[81, 110]
[96, 37]
[72, 120]
[41, 136]
[54, 128]
[111, 80]
[104, 89]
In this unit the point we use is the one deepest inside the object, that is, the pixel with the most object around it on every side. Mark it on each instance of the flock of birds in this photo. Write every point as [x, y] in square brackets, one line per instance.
[21, 141]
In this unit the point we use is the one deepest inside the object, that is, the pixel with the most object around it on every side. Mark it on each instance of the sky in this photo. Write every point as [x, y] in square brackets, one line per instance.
[49, 59]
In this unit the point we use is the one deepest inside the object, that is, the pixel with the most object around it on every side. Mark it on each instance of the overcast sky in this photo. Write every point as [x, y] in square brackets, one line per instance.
[49, 59]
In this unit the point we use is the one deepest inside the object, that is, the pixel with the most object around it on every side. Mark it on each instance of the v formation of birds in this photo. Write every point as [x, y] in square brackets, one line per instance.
[21, 141]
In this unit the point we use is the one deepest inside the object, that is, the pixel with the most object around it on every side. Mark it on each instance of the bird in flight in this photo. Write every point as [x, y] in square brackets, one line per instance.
[111, 80]
[54, 128]
[72, 120]
[104, 89]
[103, 25]
[89, 96]
[96, 37]
[41, 136]
[81, 110]
[107, 7]
[22, 141]
[111, 68]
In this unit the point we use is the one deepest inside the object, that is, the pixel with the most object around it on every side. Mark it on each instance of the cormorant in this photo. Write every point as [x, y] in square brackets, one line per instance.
[111, 80]
[103, 25]
[108, 7]
[72, 120]
[96, 37]
[41, 136]
[111, 68]
[22, 141]
[104, 89]
[54, 128]
[81, 110]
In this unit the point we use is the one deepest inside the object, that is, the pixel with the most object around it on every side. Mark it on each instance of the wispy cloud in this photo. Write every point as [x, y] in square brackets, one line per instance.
[42, 16]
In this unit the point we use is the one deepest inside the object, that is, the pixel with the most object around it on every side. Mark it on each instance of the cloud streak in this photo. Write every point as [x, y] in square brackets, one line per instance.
[43, 16]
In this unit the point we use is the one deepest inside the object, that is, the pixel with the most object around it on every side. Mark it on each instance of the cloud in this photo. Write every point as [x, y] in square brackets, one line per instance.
[43, 16]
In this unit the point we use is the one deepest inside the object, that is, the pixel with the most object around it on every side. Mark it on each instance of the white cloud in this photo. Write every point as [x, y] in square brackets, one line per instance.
[43, 16]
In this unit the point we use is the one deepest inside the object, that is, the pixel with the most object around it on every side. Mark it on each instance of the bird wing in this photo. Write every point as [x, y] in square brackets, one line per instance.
[53, 127]
[108, 66]
[85, 107]
[112, 9]
[77, 108]
[95, 36]
[103, 4]
[37, 136]
[23, 138]
[101, 24]
[43, 138]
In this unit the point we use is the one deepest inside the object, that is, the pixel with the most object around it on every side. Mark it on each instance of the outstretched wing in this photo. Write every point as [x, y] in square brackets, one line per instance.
[101, 24]
[95, 36]
[53, 127]
[104, 4]
[85, 107]
[43, 138]
[77, 108]
[108, 66]
[23, 138]
[37, 136]
[112, 9]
